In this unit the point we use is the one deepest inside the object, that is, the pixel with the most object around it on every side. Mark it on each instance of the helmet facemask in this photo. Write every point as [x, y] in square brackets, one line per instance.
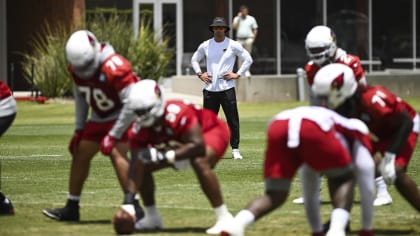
[320, 44]
[146, 100]
[147, 117]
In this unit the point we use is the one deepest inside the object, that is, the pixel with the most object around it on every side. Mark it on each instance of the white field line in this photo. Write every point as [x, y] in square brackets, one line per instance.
[31, 156]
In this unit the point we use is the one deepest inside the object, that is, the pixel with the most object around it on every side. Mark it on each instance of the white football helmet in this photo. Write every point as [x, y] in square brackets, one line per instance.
[146, 100]
[333, 84]
[320, 44]
[83, 52]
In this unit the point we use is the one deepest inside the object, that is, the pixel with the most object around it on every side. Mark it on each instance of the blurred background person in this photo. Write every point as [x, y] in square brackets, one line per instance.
[246, 28]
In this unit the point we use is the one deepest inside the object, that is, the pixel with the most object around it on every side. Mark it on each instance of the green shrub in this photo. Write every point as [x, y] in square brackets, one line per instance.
[149, 56]
[47, 63]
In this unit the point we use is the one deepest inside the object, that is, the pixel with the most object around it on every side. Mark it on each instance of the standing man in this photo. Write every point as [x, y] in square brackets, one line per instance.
[219, 85]
[102, 80]
[8, 110]
[246, 31]
[172, 134]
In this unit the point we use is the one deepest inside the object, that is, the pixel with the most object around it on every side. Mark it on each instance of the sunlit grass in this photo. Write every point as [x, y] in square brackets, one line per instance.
[35, 167]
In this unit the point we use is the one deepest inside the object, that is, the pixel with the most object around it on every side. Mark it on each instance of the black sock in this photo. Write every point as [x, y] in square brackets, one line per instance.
[72, 203]
[129, 198]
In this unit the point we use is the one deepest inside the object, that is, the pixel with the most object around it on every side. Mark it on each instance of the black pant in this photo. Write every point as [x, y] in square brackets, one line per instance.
[227, 99]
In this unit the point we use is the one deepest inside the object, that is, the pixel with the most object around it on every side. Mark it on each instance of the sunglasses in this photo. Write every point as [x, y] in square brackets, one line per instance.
[218, 27]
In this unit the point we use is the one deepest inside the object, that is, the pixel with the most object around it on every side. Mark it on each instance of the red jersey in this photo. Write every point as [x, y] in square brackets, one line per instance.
[379, 107]
[309, 135]
[347, 59]
[101, 91]
[179, 118]
[4, 90]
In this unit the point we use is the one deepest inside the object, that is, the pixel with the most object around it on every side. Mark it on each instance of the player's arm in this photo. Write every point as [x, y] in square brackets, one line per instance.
[81, 112]
[193, 144]
[126, 117]
[81, 108]
[359, 73]
[197, 57]
[403, 124]
[118, 71]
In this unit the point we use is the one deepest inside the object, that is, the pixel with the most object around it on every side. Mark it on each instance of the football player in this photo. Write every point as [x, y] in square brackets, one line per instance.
[306, 135]
[102, 80]
[173, 134]
[363, 161]
[321, 48]
[394, 124]
[8, 110]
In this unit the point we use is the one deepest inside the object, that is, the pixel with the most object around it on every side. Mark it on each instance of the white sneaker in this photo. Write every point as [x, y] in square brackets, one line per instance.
[236, 155]
[149, 223]
[232, 229]
[335, 232]
[382, 200]
[298, 200]
[216, 229]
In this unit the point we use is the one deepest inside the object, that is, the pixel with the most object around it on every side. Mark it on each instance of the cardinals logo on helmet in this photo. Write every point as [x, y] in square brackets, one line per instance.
[338, 82]
[157, 91]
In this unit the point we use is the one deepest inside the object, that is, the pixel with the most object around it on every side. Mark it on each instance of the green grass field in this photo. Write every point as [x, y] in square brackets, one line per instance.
[35, 165]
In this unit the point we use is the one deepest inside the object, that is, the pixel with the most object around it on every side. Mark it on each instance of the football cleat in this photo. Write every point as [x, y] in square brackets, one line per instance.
[216, 229]
[149, 223]
[382, 200]
[318, 234]
[236, 155]
[298, 200]
[335, 232]
[63, 214]
[6, 207]
[326, 226]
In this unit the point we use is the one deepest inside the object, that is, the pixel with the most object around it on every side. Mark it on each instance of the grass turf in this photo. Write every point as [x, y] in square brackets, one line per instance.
[35, 169]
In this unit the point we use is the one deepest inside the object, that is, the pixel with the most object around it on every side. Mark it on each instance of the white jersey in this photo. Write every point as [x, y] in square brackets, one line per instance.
[323, 117]
[220, 58]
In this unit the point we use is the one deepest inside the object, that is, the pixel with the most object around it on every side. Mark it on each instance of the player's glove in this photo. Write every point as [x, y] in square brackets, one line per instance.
[77, 136]
[108, 142]
[152, 155]
[387, 168]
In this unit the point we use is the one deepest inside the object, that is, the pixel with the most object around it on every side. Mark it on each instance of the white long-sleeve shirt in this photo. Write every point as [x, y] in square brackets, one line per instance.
[220, 59]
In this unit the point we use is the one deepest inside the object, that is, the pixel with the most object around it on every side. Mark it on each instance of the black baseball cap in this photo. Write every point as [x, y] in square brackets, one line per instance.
[219, 21]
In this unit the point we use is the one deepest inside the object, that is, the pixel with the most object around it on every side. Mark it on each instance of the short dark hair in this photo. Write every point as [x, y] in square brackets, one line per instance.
[242, 7]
